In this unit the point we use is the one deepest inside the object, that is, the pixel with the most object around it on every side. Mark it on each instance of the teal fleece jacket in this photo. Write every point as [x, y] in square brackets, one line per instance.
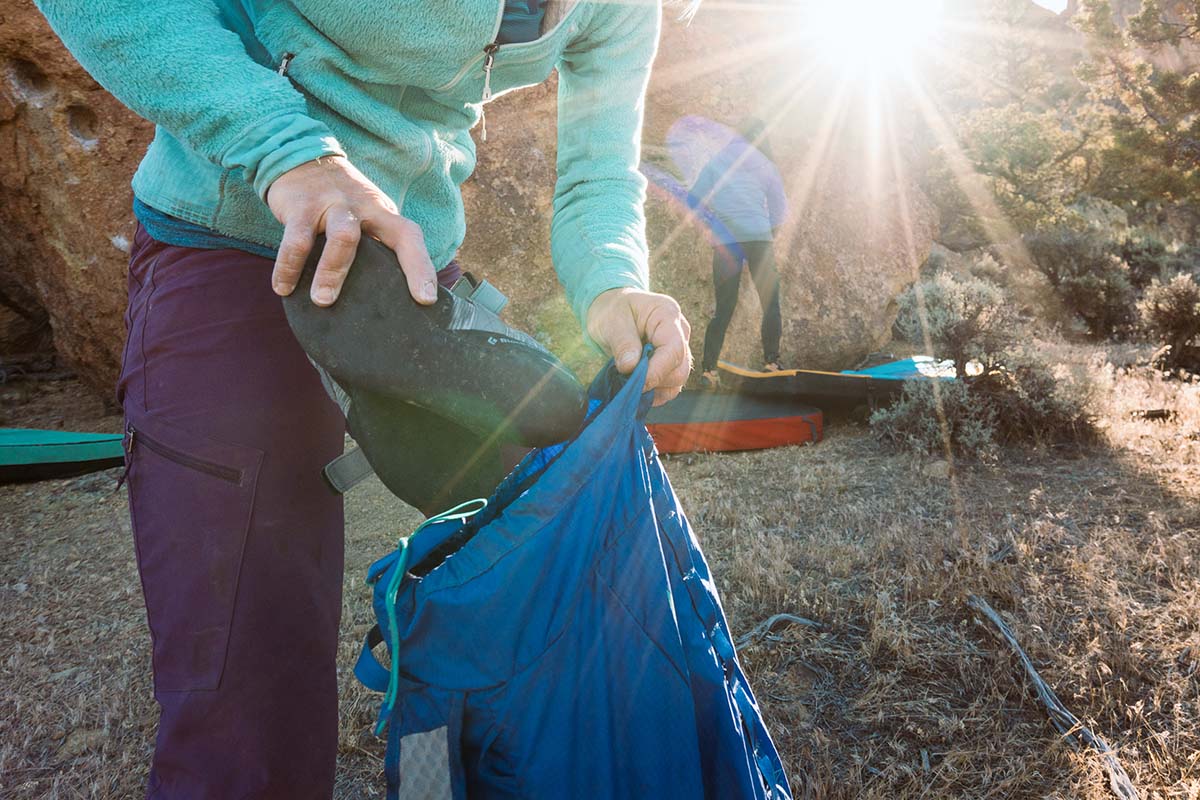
[395, 85]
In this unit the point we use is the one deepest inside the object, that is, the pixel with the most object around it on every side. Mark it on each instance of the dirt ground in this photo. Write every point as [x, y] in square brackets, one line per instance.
[1092, 557]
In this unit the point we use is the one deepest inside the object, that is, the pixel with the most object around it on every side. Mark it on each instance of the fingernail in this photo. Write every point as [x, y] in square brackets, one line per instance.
[429, 292]
[627, 359]
[325, 295]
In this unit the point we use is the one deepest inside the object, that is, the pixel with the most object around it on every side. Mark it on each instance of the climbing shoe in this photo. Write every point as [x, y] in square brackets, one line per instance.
[431, 393]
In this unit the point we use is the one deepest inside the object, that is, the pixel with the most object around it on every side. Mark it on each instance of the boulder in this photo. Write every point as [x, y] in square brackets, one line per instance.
[70, 151]
[858, 231]
[24, 327]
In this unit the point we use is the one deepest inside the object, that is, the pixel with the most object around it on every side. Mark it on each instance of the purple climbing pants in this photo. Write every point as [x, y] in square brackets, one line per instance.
[239, 541]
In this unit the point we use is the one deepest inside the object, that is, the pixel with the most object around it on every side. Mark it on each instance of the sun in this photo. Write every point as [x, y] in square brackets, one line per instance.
[872, 37]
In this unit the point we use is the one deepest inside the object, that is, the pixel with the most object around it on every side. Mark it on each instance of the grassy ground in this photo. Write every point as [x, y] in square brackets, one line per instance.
[1093, 557]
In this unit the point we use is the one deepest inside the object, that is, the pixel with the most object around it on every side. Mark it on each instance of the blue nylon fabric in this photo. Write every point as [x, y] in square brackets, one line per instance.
[575, 645]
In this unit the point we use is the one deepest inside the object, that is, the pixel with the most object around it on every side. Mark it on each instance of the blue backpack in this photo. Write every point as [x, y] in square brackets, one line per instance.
[564, 639]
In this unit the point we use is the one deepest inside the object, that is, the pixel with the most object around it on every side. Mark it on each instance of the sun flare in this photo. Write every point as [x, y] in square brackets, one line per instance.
[873, 36]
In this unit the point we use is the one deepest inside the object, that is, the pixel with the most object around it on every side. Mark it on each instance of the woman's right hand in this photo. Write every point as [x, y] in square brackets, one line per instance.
[330, 196]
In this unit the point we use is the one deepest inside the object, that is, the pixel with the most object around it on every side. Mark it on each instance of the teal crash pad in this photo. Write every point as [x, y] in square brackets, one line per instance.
[908, 369]
[28, 454]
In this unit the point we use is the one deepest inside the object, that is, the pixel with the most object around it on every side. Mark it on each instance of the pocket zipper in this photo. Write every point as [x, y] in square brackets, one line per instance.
[134, 436]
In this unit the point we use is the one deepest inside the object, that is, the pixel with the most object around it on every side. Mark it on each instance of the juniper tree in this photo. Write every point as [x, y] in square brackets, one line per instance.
[1141, 72]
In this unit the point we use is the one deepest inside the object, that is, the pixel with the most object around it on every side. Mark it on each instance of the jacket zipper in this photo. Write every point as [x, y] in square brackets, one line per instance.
[511, 46]
[489, 59]
[136, 437]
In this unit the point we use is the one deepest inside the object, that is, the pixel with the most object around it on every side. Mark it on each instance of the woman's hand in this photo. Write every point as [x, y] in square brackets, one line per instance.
[330, 196]
[620, 320]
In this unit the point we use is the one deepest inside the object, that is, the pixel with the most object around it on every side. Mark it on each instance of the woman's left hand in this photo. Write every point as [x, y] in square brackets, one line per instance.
[620, 320]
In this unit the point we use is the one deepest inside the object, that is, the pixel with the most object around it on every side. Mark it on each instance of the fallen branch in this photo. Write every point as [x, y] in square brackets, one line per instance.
[1154, 414]
[1067, 723]
[768, 626]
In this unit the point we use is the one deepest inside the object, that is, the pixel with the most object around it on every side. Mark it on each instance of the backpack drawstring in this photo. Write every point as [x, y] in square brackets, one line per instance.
[462, 511]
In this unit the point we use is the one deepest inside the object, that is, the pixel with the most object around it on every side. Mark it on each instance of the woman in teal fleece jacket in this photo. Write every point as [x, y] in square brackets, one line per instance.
[278, 120]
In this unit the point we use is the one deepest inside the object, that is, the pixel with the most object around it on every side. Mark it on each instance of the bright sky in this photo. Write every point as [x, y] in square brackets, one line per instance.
[877, 39]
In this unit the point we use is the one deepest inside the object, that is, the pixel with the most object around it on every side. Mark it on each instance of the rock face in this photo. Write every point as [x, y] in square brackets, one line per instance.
[857, 231]
[70, 150]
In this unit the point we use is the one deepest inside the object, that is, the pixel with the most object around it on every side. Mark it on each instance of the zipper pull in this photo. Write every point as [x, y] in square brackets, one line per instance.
[127, 446]
[489, 53]
[489, 58]
[285, 62]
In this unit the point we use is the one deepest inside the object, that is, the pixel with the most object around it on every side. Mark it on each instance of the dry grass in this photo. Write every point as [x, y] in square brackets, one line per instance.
[1093, 557]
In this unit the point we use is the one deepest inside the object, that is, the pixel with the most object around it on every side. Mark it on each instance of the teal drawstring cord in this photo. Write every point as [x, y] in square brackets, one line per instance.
[462, 511]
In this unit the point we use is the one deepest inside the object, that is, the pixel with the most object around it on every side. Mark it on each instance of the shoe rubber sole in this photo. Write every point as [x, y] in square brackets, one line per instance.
[453, 358]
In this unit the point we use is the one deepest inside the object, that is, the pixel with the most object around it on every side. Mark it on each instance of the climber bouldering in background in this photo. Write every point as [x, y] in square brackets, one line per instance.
[729, 186]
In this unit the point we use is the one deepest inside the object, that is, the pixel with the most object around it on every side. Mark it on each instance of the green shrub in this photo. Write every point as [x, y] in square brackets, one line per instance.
[1147, 257]
[1171, 314]
[1016, 399]
[986, 267]
[1151, 259]
[1034, 405]
[1089, 277]
[935, 264]
[1023, 402]
[915, 421]
[965, 318]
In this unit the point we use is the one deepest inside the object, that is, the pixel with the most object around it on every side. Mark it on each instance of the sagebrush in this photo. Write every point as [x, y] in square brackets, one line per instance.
[934, 417]
[1022, 403]
[1171, 314]
[1003, 393]
[962, 318]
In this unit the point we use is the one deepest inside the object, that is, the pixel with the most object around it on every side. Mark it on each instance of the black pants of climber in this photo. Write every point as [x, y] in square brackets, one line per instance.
[727, 273]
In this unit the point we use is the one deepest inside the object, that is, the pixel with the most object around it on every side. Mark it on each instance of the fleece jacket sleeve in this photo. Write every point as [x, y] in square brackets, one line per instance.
[185, 65]
[598, 234]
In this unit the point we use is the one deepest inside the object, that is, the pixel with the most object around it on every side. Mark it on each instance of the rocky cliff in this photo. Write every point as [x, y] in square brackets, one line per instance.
[69, 152]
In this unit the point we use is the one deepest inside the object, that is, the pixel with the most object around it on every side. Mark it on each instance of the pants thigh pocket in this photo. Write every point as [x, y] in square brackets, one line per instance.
[191, 499]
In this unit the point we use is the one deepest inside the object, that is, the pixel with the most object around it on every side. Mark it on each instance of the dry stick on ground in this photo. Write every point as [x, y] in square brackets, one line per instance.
[1066, 722]
[763, 628]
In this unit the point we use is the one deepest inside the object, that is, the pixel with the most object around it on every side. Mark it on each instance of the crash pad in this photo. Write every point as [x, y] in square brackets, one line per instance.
[28, 454]
[718, 422]
[907, 368]
[834, 391]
